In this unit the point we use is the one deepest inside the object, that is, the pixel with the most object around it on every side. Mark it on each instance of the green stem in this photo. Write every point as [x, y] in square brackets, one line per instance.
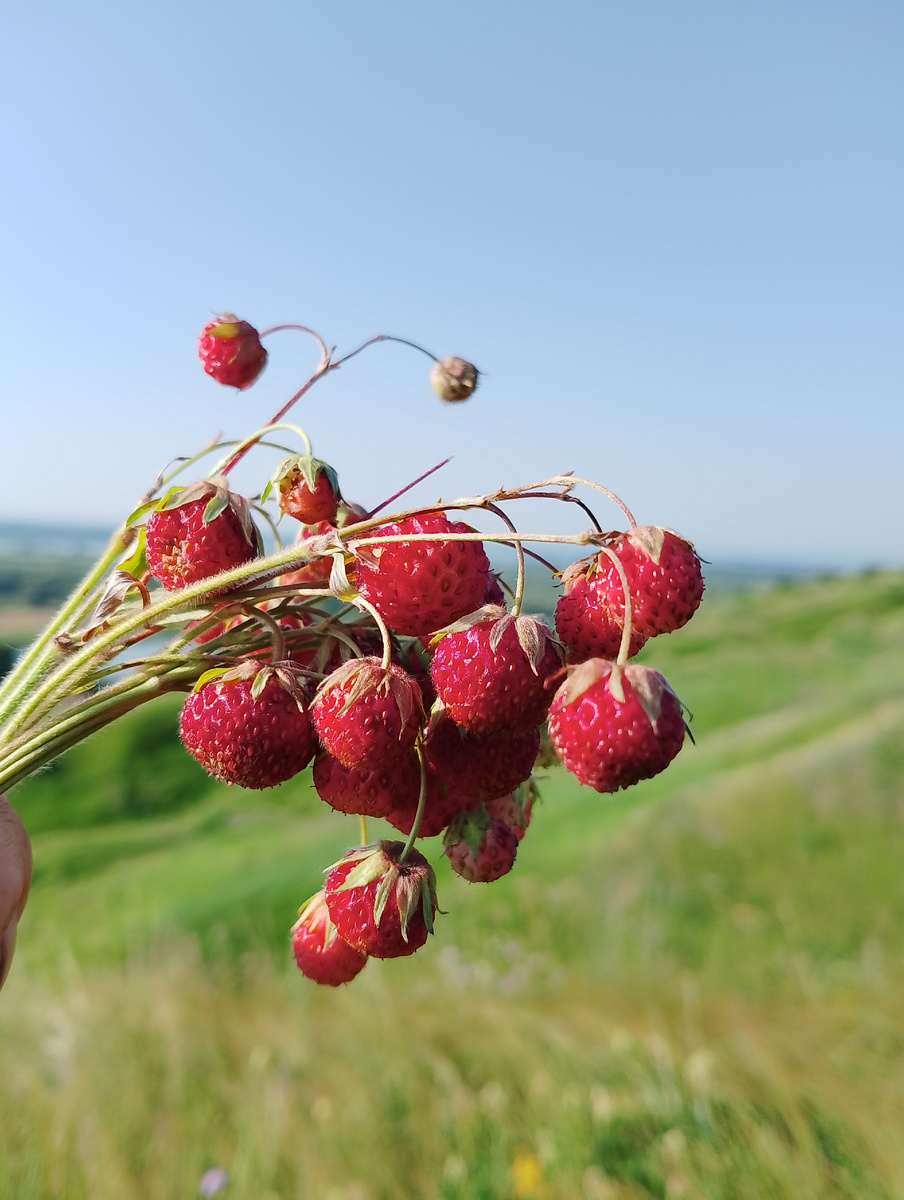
[625, 644]
[35, 750]
[35, 658]
[519, 551]
[366, 606]
[421, 804]
[249, 441]
[77, 667]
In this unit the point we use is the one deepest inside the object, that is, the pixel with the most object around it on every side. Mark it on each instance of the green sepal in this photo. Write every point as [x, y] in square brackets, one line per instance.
[268, 488]
[215, 505]
[370, 867]
[258, 684]
[470, 828]
[209, 677]
[339, 581]
[141, 510]
[136, 564]
[389, 880]
[173, 498]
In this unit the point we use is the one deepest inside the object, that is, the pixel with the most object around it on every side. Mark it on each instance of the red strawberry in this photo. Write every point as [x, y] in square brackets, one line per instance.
[443, 800]
[665, 578]
[308, 489]
[491, 674]
[371, 793]
[480, 848]
[249, 727]
[231, 351]
[198, 532]
[380, 904]
[366, 715]
[584, 621]
[613, 728]
[476, 767]
[494, 593]
[319, 951]
[419, 587]
[316, 572]
[515, 808]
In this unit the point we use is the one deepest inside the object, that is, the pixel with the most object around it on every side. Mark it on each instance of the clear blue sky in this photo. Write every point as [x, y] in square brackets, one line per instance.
[670, 233]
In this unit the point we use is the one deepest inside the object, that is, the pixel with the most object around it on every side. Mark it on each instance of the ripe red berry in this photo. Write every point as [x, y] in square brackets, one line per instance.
[480, 848]
[613, 728]
[665, 578]
[247, 732]
[443, 800]
[380, 904]
[370, 793]
[231, 351]
[515, 808]
[479, 768]
[307, 489]
[419, 587]
[320, 953]
[366, 715]
[491, 675]
[197, 533]
[584, 620]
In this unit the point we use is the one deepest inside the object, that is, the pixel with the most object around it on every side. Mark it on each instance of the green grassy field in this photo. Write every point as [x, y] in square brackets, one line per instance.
[694, 989]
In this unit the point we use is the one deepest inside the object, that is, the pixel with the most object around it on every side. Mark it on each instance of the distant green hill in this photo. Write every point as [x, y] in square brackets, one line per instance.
[694, 988]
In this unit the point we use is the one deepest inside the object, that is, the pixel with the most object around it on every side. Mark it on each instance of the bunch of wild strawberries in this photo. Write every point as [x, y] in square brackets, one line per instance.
[427, 708]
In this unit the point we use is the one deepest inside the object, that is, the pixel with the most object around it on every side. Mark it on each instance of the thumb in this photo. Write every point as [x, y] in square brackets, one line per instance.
[15, 880]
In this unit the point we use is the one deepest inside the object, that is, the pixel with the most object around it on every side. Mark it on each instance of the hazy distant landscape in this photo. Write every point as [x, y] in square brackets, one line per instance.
[692, 989]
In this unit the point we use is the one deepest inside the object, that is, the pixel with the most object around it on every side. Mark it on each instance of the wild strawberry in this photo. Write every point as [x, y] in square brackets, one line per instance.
[308, 489]
[584, 620]
[198, 532]
[319, 951]
[491, 673]
[480, 848]
[494, 593]
[249, 726]
[366, 715]
[370, 793]
[316, 572]
[615, 727]
[380, 904]
[231, 351]
[476, 767]
[515, 807]
[454, 378]
[664, 575]
[418, 587]
[443, 800]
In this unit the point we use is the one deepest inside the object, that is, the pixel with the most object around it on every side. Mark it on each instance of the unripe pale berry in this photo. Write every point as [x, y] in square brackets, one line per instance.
[454, 379]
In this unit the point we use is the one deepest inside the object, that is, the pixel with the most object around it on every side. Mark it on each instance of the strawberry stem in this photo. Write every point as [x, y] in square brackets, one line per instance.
[572, 479]
[519, 551]
[421, 803]
[226, 463]
[279, 643]
[366, 606]
[408, 486]
[625, 644]
[300, 329]
[327, 364]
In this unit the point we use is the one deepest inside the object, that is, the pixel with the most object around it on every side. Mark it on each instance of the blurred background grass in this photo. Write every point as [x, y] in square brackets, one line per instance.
[693, 989]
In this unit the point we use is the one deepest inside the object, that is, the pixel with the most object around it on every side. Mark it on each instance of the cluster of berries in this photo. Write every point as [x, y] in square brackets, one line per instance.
[429, 708]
